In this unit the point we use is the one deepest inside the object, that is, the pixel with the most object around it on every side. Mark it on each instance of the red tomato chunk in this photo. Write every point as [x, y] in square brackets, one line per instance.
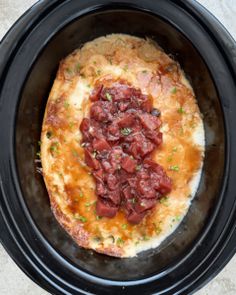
[119, 137]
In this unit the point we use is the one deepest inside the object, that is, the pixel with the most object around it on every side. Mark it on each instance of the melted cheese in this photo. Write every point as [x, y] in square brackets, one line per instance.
[69, 183]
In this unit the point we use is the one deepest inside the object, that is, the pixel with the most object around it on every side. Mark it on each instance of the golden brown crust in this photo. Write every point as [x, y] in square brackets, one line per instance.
[142, 64]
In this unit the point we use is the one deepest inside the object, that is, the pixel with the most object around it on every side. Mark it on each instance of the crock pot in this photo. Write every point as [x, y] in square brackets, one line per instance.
[29, 57]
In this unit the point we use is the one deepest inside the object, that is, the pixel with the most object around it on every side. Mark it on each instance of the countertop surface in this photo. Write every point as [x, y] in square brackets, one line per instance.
[12, 280]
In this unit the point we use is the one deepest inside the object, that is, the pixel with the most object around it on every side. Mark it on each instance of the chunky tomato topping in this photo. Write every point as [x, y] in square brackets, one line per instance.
[119, 137]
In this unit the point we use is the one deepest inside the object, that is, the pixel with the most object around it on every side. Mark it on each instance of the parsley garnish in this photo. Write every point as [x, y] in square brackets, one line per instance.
[97, 239]
[169, 158]
[173, 90]
[124, 226]
[54, 147]
[175, 149]
[78, 67]
[99, 72]
[125, 68]
[126, 131]
[94, 154]
[119, 241]
[82, 218]
[157, 228]
[181, 110]
[69, 71]
[174, 168]
[75, 153]
[164, 201]
[138, 167]
[66, 105]
[108, 96]
[146, 238]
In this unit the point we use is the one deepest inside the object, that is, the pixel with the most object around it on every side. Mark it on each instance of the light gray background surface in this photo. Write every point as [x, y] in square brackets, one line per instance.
[12, 280]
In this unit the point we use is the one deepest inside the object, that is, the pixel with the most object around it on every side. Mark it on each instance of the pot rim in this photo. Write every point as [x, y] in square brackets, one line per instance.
[215, 30]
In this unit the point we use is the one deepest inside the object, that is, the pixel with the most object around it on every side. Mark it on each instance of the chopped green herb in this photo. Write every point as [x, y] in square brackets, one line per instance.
[81, 194]
[71, 124]
[125, 68]
[69, 71]
[88, 85]
[174, 168]
[75, 153]
[181, 110]
[175, 149]
[181, 131]
[146, 238]
[157, 228]
[94, 62]
[173, 90]
[164, 201]
[82, 218]
[39, 143]
[133, 200]
[110, 61]
[119, 241]
[78, 67]
[97, 239]
[66, 105]
[94, 154]
[177, 218]
[138, 167]
[144, 71]
[169, 159]
[98, 217]
[77, 216]
[99, 72]
[137, 242]
[124, 226]
[126, 131]
[88, 204]
[49, 134]
[38, 154]
[108, 96]
[54, 147]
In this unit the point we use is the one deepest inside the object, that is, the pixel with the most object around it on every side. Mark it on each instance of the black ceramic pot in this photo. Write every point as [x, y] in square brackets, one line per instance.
[29, 57]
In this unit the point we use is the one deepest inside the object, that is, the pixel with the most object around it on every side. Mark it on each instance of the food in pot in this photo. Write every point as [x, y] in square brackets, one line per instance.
[122, 145]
